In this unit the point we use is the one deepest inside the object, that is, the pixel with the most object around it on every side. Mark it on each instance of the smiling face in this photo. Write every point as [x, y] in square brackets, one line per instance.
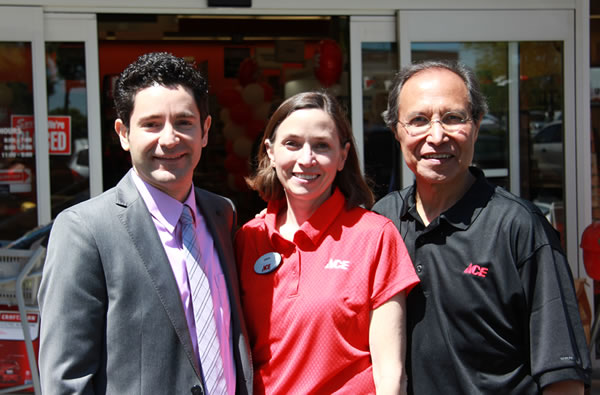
[436, 157]
[165, 138]
[307, 154]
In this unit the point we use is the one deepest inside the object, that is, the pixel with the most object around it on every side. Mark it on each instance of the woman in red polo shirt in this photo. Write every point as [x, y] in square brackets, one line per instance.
[323, 280]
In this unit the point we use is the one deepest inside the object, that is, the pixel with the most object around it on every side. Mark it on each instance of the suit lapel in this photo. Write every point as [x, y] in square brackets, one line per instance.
[137, 220]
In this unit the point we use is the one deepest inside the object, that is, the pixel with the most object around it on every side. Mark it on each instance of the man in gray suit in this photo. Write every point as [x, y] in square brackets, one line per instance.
[116, 311]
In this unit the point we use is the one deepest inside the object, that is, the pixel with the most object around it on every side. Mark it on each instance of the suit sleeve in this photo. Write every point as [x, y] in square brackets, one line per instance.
[73, 301]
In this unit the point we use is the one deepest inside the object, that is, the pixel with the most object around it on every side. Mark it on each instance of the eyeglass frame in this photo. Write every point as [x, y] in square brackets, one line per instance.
[431, 121]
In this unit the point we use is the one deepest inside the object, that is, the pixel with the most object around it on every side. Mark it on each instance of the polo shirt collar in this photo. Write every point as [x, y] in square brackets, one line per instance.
[316, 226]
[466, 210]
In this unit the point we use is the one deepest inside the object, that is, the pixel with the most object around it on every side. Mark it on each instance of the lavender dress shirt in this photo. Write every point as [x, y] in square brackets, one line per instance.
[165, 212]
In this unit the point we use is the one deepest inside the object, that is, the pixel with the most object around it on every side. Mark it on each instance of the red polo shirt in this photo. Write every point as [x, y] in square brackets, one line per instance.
[308, 320]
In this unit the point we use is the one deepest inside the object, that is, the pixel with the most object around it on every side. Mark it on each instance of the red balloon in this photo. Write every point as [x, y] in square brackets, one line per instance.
[248, 71]
[234, 164]
[240, 182]
[229, 146]
[240, 113]
[255, 128]
[328, 67]
[268, 89]
[229, 97]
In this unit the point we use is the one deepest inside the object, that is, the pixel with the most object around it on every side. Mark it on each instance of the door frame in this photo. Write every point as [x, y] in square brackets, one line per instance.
[364, 29]
[31, 24]
[25, 24]
[83, 28]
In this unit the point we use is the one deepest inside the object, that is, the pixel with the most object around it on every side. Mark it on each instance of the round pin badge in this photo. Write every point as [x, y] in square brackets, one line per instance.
[267, 263]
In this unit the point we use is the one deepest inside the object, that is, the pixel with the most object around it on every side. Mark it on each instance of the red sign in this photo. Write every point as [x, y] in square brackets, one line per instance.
[19, 143]
[59, 135]
[22, 142]
[16, 317]
[14, 176]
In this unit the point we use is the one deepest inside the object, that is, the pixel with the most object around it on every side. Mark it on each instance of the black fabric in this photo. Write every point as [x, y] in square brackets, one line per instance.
[496, 310]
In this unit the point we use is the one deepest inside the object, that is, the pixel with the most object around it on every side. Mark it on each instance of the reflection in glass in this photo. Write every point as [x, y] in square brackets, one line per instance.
[381, 151]
[18, 212]
[67, 124]
[541, 103]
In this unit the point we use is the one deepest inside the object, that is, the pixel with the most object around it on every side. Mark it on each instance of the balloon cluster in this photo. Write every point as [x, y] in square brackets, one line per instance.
[328, 62]
[244, 111]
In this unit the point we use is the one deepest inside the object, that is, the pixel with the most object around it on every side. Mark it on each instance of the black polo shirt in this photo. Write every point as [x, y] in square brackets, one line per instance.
[496, 311]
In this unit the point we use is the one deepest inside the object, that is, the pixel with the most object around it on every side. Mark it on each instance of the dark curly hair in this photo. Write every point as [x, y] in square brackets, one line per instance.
[160, 68]
[349, 180]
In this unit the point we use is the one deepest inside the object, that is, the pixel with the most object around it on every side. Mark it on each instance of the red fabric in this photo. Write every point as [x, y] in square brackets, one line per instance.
[309, 320]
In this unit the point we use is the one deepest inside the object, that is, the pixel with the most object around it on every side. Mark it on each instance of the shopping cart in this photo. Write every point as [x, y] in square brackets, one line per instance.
[20, 277]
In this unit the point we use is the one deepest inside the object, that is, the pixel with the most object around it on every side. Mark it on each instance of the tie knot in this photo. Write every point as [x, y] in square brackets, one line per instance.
[186, 215]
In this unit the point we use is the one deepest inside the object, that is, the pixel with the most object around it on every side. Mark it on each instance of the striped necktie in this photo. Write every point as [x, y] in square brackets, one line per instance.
[204, 317]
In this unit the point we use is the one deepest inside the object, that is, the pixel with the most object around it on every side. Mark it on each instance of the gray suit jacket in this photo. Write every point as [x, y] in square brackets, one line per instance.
[112, 321]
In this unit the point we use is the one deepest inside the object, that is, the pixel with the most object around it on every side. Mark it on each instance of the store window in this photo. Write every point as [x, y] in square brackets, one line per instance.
[252, 64]
[381, 150]
[18, 199]
[67, 124]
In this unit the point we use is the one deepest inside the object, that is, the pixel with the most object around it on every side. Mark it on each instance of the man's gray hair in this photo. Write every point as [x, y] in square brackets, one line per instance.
[477, 103]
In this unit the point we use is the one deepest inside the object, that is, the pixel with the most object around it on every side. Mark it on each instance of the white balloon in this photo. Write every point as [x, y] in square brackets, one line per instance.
[253, 94]
[262, 111]
[232, 131]
[224, 115]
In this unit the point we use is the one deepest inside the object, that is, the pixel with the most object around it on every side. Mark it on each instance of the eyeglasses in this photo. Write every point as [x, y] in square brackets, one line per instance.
[451, 122]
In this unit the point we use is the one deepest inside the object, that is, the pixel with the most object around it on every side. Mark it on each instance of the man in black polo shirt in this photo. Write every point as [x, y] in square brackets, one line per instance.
[496, 311]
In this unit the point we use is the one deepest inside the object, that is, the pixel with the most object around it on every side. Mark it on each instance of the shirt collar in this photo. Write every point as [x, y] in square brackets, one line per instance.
[466, 210]
[317, 224]
[164, 208]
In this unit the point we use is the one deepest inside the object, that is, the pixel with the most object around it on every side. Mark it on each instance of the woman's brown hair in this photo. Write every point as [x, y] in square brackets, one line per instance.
[349, 180]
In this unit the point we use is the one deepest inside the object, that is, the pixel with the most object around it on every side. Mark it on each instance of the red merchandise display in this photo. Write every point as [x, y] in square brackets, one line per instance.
[14, 366]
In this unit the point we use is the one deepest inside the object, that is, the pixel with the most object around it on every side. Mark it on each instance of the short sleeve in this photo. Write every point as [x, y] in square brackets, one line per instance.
[558, 345]
[393, 268]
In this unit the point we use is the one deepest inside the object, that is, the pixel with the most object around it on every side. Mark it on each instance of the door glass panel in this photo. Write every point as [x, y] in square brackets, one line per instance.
[67, 124]
[18, 201]
[541, 131]
[540, 108]
[381, 150]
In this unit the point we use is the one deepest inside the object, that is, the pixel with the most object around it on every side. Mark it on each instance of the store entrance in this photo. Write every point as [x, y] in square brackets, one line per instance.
[252, 64]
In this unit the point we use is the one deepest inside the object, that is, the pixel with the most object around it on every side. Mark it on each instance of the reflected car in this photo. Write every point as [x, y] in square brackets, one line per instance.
[79, 162]
[547, 150]
[491, 145]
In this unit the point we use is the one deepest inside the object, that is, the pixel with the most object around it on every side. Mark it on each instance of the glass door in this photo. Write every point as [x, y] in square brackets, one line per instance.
[24, 177]
[373, 63]
[525, 63]
[50, 150]
[75, 154]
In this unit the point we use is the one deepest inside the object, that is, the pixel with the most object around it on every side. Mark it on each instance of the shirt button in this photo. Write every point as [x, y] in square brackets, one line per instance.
[419, 268]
